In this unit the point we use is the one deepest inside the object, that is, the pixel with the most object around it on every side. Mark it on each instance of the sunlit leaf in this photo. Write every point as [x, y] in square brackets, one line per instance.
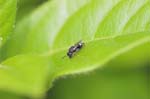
[108, 28]
[7, 18]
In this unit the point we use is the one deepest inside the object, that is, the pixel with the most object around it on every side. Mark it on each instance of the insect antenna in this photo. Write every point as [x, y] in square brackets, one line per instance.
[64, 57]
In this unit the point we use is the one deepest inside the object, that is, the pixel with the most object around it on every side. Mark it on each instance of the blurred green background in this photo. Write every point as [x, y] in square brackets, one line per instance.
[104, 84]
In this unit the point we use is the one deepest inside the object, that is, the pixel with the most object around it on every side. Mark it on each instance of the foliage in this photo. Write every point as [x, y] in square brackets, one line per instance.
[31, 59]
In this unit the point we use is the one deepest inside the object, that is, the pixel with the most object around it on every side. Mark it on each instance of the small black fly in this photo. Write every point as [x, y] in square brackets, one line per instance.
[75, 48]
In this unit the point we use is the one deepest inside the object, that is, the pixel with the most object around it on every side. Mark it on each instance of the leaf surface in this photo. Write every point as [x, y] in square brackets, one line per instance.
[33, 55]
[7, 18]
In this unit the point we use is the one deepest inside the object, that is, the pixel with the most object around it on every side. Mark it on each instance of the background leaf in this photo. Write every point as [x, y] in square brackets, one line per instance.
[7, 95]
[7, 18]
[25, 7]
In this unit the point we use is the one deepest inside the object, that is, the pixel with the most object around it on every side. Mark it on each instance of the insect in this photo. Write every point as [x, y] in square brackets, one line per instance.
[75, 48]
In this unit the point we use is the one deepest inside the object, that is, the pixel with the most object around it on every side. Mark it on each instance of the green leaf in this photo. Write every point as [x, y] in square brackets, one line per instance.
[26, 79]
[32, 72]
[109, 28]
[26, 7]
[7, 18]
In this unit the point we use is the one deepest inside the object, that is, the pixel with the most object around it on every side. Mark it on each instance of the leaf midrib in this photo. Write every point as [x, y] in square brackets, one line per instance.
[52, 52]
[106, 59]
